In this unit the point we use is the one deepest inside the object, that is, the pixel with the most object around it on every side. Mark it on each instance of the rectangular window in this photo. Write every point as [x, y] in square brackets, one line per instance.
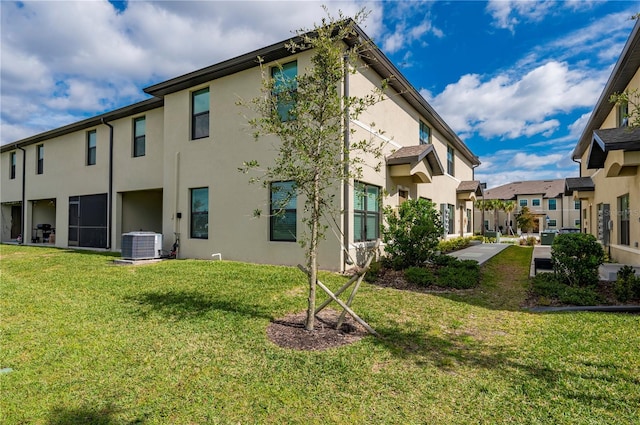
[199, 226]
[366, 212]
[425, 134]
[524, 202]
[92, 138]
[403, 195]
[283, 215]
[576, 205]
[200, 114]
[625, 215]
[468, 220]
[623, 115]
[535, 202]
[139, 136]
[577, 223]
[552, 204]
[285, 87]
[450, 161]
[552, 223]
[452, 219]
[40, 158]
[12, 165]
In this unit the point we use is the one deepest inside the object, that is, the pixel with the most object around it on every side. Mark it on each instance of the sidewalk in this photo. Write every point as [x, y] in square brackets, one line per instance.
[480, 253]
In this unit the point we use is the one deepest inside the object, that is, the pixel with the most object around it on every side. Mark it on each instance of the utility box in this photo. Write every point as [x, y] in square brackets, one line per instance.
[546, 238]
[141, 245]
[493, 235]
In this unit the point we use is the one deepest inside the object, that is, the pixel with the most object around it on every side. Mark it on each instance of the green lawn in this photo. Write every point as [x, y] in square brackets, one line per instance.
[184, 342]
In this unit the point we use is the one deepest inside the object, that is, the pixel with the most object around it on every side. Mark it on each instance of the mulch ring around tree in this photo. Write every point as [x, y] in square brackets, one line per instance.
[289, 331]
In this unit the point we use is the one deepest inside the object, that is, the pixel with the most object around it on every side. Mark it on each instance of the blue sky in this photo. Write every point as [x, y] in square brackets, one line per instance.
[516, 80]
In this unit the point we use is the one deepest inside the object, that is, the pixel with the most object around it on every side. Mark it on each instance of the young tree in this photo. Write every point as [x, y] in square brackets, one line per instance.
[509, 207]
[307, 113]
[525, 220]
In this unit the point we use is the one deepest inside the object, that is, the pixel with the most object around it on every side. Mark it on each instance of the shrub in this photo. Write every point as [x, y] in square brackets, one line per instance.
[420, 276]
[373, 272]
[412, 233]
[459, 274]
[627, 286]
[547, 285]
[576, 258]
[530, 241]
[454, 244]
[444, 260]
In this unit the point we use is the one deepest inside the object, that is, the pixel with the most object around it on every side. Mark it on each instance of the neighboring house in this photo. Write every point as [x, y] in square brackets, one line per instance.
[609, 155]
[551, 208]
[170, 165]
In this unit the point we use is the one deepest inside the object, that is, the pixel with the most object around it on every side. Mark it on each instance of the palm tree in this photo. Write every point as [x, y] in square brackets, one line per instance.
[508, 207]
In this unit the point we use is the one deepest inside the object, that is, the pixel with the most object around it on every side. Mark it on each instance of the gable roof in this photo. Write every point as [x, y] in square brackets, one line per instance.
[546, 188]
[470, 186]
[626, 67]
[579, 184]
[611, 139]
[413, 154]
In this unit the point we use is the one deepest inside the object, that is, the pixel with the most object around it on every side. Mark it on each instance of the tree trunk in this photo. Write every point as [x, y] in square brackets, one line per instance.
[313, 253]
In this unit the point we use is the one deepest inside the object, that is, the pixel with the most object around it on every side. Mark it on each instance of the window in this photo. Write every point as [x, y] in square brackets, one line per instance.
[552, 223]
[524, 202]
[91, 147]
[576, 205]
[200, 213]
[450, 161]
[425, 134]
[139, 136]
[452, 218]
[535, 202]
[283, 215]
[284, 88]
[625, 215]
[576, 223]
[403, 195]
[468, 220]
[623, 115]
[552, 204]
[40, 159]
[12, 165]
[200, 114]
[366, 212]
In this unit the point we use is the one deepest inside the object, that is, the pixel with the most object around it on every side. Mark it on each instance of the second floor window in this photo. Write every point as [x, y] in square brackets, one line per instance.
[40, 157]
[623, 115]
[12, 165]
[552, 204]
[425, 134]
[92, 138]
[284, 89]
[139, 136]
[524, 202]
[451, 155]
[535, 202]
[200, 114]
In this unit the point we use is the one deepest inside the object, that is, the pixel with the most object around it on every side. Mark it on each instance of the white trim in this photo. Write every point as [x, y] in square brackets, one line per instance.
[375, 133]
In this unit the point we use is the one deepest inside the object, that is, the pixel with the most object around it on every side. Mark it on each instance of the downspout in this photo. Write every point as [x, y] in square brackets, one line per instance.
[345, 189]
[24, 193]
[110, 189]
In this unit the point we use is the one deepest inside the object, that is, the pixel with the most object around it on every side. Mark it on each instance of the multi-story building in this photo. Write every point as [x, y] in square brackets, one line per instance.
[169, 165]
[545, 199]
[609, 155]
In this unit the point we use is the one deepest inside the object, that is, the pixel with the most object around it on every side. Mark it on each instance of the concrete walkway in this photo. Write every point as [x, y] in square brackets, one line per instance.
[480, 253]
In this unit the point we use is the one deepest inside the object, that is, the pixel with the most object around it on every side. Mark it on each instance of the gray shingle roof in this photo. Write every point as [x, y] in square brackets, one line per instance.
[582, 184]
[611, 139]
[547, 188]
[416, 153]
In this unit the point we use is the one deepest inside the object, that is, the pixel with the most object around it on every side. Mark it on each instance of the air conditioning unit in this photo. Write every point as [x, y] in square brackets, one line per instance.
[141, 245]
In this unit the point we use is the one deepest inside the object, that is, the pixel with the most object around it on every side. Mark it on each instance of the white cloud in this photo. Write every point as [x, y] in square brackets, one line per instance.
[508, 13]
[509, 107]
[533, 161]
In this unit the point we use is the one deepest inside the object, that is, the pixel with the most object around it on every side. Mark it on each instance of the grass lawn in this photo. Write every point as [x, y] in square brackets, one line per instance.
[184, 342]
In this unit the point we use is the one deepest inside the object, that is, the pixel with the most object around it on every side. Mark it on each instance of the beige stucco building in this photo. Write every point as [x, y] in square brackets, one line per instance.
[609, 156]
[170, 165]
[546, 200]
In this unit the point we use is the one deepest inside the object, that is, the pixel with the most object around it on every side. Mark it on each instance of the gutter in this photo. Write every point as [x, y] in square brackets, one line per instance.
[110, 189]
[24, 192]
[345, 188]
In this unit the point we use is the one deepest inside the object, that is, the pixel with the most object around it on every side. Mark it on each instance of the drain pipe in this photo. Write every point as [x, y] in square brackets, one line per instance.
[24, 193]
[110, 190]
[345, 188]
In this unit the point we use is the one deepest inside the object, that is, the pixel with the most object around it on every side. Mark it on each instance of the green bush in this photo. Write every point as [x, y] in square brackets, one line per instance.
[576, 258]
[459, 274]
[627, 286]
[420, 276]
[454, 244]
[412, 233]
[547, 285]
[444, 260]
[373, 272]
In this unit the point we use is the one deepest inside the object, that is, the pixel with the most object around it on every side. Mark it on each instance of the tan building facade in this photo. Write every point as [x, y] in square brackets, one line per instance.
[552, 209]
[609, 156]
[170, 165]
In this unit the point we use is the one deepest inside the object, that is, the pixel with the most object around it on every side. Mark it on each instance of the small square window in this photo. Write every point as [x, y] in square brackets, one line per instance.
[552, 223]
[524, 202]
[535, 202]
